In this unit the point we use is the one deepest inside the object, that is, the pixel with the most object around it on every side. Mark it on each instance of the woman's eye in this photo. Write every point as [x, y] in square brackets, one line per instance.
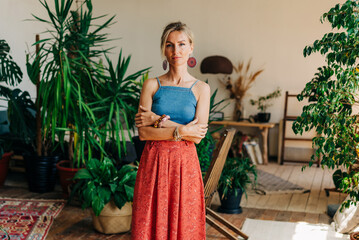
[169, 45]
[182, 44]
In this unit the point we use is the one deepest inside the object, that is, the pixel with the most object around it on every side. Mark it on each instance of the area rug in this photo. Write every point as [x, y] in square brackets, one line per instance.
[269, 230]
[271, 184]
[28, 218]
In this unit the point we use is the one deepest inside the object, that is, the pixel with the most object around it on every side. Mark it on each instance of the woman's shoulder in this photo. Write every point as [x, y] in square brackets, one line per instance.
[151, 83]
[202, 86]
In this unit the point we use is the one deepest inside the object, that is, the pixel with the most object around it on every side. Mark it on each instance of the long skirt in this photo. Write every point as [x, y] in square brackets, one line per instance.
[169, 198]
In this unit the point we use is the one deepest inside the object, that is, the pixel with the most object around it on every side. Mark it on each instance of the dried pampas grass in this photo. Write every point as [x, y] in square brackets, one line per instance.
[241, 85]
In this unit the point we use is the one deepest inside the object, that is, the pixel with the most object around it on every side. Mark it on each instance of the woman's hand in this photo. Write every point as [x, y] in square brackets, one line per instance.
[145, 118]
[194, 129]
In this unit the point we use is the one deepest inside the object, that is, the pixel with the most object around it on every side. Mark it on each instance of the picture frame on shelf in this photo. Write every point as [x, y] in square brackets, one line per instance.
[217, 116]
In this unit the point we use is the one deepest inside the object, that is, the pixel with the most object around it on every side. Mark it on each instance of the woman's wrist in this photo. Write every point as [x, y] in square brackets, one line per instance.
[154, 118]
[182, 131]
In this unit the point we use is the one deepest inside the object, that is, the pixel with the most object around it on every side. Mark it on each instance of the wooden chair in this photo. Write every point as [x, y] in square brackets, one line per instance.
[210, 186]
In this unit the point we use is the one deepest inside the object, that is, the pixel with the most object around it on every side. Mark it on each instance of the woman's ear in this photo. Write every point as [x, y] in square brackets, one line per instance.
[191, 48]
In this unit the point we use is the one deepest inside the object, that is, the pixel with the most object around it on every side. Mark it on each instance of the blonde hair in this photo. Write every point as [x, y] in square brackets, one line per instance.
[175, 26]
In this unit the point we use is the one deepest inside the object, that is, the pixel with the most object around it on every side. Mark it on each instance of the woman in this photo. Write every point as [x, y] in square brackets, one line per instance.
[173, 115]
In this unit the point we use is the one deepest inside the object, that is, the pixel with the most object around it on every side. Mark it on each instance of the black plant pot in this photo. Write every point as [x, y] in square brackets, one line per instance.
[139, 146]
[231, 203]
[263, 117]
[41, 173]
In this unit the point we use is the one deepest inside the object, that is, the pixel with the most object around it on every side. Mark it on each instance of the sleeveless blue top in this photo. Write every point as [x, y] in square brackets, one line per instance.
[177, 102]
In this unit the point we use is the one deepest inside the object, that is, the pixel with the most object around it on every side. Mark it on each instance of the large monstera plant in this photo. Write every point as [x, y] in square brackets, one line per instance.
[333, 96]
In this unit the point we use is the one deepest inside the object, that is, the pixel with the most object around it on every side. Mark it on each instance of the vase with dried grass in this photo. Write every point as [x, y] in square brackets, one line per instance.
[239, 87]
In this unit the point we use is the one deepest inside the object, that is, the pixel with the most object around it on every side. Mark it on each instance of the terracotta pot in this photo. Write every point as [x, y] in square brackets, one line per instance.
[112, 219]
[4, 166]
[354, 236]
[66, 174]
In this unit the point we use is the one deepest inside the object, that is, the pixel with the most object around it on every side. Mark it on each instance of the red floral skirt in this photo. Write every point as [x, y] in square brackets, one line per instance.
[169, 199]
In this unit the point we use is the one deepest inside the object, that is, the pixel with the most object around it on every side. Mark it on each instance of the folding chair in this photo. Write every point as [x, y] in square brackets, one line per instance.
[210, 186]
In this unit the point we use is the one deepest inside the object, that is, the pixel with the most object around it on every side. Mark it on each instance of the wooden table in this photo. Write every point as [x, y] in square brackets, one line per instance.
[263, 127]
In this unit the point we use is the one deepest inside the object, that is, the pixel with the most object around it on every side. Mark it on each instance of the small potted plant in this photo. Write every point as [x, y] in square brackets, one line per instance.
[109, 192]
[263, 102]
[238, 173]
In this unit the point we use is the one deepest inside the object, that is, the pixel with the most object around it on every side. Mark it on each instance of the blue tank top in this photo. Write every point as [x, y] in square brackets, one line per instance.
[177, 102]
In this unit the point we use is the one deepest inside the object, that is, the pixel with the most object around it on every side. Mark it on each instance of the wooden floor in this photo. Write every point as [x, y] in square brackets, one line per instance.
[316, 179]
[74, 223]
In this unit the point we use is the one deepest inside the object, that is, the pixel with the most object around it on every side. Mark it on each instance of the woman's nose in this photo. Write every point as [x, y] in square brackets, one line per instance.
[176, 49]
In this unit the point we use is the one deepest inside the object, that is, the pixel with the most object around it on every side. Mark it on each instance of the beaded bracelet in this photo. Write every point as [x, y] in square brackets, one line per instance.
[156, 125]
[167, 117]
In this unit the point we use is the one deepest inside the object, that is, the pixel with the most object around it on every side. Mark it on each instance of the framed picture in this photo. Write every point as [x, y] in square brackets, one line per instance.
[254, 152]
[216, 116]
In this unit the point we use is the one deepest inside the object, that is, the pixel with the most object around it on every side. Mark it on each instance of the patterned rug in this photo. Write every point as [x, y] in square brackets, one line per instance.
[271, 184]
[27, 219]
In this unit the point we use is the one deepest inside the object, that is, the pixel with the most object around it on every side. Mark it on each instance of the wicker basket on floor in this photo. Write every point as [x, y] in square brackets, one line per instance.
[113, 220]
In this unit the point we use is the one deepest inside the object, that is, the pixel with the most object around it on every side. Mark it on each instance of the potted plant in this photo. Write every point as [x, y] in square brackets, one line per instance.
[263, 102]
[108, 192]
[332, 96]
[206, 146]
[20, 108]
[116, 106]
[238, 173]
[10, 74]
[83, 103]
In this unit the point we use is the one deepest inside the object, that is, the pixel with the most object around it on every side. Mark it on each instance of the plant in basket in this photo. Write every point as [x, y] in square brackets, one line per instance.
[108, 192]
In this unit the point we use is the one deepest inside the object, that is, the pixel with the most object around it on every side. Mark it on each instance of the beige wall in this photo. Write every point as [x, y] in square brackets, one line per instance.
[273, 33]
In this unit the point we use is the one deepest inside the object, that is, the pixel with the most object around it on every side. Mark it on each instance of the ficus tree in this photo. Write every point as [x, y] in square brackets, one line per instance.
[332, 96]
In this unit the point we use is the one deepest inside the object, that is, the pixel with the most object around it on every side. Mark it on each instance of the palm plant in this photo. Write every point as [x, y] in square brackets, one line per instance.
[117, 102]
[80, 104]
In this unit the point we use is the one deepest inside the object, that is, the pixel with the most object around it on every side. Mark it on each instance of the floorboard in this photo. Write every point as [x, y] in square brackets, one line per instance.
[75, 223]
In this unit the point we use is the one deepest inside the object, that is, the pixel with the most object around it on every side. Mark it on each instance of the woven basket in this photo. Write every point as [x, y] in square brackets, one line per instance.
[113, 220]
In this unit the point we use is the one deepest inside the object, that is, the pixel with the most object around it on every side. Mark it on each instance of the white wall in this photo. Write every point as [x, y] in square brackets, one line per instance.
[273, 33]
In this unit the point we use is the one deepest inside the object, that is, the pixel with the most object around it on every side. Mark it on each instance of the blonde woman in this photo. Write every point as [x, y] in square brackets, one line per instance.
[173, 115]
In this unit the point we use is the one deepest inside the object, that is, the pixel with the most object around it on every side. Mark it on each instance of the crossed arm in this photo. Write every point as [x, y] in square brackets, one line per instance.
[193, 131]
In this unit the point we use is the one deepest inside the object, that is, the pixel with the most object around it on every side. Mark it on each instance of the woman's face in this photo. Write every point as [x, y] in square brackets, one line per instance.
[178, 48]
